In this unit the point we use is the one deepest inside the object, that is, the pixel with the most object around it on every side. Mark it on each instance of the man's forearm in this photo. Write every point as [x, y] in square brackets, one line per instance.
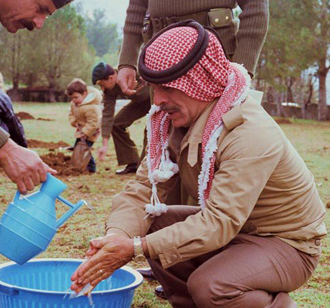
[105, 141]
[132, 32]
[252, 32]
[4, 136]
[16, 131]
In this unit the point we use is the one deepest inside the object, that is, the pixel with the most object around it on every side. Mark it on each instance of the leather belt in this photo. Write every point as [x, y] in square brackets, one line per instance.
[203, 18]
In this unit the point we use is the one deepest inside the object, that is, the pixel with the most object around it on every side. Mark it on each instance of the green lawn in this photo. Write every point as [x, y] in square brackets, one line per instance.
[312, 139]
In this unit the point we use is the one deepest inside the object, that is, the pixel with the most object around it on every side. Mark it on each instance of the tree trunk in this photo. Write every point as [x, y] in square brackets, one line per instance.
[289, 95]
[323, 69]
[279, 99]
[310, 90]
[16, 82]
[270, 95]
[322, 106]
[15, 61]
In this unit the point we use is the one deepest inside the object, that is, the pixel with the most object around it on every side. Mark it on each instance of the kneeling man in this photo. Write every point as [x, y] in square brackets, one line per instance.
[246, 227]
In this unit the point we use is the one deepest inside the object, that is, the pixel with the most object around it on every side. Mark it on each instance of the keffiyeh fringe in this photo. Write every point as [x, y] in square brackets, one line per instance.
[162, 170]
[205, 176]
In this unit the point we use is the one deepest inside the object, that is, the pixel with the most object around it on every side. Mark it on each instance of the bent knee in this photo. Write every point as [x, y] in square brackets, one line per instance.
[208, 293]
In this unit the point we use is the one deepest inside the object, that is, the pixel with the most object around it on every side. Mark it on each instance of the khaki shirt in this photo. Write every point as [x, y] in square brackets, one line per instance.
[261, 186]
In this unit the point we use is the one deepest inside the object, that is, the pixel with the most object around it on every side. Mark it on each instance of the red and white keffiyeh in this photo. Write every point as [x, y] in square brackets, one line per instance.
[212, 77]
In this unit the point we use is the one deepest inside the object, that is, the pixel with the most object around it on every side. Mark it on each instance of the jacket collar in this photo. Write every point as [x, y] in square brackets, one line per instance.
[195, 132]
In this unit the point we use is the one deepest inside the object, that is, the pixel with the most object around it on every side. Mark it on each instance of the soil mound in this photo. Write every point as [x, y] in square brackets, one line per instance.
[282, 121]
[25, 116]
[61, 163]
[32, 143]
[44, 119]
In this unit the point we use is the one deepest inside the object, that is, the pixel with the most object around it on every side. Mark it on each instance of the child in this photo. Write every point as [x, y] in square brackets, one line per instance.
[85, 114]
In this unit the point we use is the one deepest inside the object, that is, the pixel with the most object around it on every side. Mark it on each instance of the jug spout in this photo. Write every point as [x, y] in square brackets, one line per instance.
[53, 187]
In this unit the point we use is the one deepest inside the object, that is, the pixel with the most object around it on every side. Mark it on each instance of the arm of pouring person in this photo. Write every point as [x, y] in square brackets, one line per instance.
[106, 254]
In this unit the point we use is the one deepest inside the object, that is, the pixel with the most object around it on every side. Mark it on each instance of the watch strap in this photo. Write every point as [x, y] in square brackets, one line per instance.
[138, 250]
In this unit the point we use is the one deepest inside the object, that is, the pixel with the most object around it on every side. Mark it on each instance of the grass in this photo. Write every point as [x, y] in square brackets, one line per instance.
[312, 140]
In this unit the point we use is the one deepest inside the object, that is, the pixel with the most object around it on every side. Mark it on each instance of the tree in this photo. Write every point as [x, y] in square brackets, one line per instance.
[51, 56]
[101, 35]
[298, 39]
[64, 48]
[321, 28]
[11, 47]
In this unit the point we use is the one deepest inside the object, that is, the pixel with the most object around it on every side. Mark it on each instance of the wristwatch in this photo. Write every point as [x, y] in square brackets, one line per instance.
[138, 251]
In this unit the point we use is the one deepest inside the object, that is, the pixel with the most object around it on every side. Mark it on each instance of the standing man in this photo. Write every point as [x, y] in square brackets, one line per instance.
[253, 233]
[242, 41]
[106, 77]
[24, 167]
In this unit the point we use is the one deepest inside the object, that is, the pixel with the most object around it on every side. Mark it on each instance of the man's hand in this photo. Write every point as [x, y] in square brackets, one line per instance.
[126, 79]
[106, 254]
[101, 152]
[23, 166]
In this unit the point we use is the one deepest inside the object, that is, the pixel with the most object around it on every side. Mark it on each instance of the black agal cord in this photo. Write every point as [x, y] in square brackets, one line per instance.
[181, 68]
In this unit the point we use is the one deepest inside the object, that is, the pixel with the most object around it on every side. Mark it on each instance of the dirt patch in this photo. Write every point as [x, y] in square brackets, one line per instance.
[61, 163]
[44, 119]
[25, 116]
[32, 143]
[282, 121]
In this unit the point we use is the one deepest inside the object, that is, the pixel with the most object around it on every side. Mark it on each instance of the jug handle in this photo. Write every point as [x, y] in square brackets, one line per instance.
[68, 214]
[17, 195]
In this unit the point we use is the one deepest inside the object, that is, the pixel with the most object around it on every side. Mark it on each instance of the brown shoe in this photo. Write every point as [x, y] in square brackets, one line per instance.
[159, 291]
[146, 272]
[130, 168]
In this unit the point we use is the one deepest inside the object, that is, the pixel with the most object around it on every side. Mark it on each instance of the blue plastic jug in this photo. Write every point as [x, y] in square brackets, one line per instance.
[29, 223]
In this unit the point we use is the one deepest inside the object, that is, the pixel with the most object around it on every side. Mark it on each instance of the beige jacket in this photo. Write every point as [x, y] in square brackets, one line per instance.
[86, 117]
[261, 186]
